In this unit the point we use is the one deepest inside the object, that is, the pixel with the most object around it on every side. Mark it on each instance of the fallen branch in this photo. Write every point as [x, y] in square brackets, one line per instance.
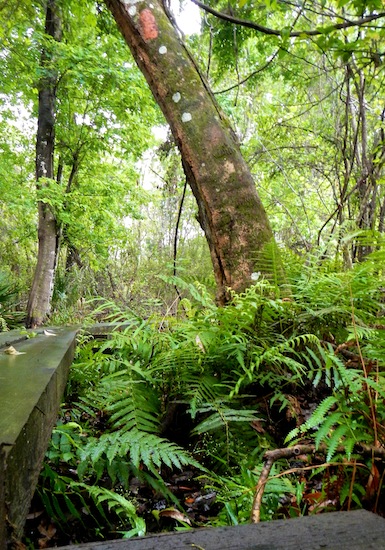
[270, 457]
[291, 452]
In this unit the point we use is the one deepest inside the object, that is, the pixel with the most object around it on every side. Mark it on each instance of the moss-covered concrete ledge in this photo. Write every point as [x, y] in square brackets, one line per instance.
[31, 389]
[32, 383]
[359, 530]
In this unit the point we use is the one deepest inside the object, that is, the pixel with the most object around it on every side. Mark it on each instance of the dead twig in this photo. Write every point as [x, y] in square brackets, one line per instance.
[291, 452]
[271, 457]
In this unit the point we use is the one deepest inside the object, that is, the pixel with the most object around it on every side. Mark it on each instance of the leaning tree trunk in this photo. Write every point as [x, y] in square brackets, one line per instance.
[39, 303]
[230, 211]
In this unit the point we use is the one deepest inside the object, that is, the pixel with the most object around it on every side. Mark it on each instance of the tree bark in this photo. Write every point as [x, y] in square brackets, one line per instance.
[39, 303]
[230, 211]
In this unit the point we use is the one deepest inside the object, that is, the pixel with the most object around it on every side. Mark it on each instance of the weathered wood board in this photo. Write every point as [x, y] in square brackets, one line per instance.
[31, 389]
[358, 530]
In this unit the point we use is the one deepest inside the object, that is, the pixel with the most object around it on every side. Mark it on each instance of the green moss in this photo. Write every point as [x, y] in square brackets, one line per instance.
[223, 151]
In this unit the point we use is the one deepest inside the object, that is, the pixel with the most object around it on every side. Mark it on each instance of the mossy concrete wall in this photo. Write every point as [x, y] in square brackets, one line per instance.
[32, 384]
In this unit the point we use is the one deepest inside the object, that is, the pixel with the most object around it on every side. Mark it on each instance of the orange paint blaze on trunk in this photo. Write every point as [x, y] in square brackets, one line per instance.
[148, 26]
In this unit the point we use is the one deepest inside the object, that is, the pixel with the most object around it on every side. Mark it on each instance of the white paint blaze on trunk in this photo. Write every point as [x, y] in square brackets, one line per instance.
[230, 212]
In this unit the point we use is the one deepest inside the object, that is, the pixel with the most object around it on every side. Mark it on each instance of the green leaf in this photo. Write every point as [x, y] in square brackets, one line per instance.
[336, 439]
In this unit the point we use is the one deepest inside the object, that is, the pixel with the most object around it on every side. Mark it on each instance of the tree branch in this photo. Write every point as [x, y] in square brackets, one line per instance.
[290, 452]
[176, 234]
[251, 75]
[274, 32]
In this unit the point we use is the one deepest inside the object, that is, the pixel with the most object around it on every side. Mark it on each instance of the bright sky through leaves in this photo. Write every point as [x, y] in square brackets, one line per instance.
[187, 16]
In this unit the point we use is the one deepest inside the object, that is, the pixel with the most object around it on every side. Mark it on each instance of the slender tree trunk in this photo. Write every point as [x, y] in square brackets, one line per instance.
[230, 211]
[39, 303]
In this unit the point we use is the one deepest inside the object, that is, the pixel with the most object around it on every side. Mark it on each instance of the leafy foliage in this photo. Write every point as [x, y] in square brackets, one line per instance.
[9, 316]
[224, 374]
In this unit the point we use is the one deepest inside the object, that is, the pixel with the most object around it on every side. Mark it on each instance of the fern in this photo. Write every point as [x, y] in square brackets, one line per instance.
[123, 507]
[315, 419]
[201, 389]
[135, 411]
[269, 262]
[142, 448]
[277, 360]
[221, 418]
[63, 500]
[217, 367]
[195, 289]
[337, 437]
[326, 426]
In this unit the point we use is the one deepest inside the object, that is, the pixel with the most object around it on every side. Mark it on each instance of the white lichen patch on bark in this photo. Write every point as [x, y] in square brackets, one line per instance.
[176, 97]
[162, 50]
[43, 168]
[186, 117]
[132, 11]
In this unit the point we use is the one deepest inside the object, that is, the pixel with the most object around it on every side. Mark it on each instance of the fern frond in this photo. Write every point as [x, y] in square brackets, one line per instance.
[141, 447]
[218, 419]
[269, 262]
[197, 291]
[276, 360]
[135, 412]
[324, 429]
[202, 389]
[337, 438]
[123, 507]
[128, 396]
[315, 419]
[319, 413]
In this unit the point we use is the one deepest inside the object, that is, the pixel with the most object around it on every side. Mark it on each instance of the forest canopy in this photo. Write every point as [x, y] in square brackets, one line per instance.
[306, 107]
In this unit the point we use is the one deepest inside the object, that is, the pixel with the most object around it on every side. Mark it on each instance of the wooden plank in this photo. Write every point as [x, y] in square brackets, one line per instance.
[358, 530]
[31, 389]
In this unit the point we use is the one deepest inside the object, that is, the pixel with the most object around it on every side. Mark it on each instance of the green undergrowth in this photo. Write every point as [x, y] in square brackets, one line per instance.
[207, 392]
[10, 317]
